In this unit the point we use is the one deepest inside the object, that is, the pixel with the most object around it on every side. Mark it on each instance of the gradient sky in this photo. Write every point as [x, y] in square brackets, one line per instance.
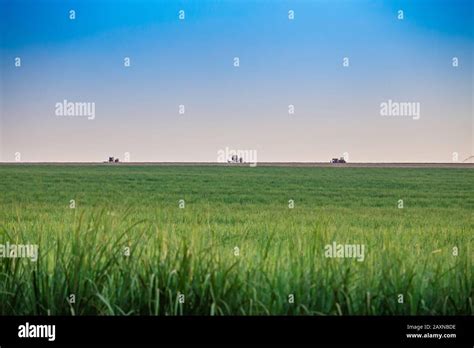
[282, 62]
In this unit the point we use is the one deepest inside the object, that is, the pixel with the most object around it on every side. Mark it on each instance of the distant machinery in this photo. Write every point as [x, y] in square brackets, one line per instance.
[470, 158]
[338, 160]
[113, 160]
[235, 159]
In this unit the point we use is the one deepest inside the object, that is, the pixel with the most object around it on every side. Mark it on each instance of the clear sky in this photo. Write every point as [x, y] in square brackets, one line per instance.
[190, 62]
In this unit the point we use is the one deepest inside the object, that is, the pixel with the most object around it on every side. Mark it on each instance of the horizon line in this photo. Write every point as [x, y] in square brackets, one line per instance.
[257, 164]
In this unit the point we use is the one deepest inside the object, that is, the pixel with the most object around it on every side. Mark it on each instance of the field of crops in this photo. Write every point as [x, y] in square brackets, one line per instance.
[223, 240]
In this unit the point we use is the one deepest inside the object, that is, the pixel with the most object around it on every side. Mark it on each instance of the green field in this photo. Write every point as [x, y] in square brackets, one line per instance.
[192, 251]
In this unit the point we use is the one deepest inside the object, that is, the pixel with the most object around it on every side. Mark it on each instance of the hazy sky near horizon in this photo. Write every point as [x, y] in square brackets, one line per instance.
[190, 62]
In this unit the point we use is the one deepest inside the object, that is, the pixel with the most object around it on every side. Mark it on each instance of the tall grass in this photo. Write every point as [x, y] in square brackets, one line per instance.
[191, 251]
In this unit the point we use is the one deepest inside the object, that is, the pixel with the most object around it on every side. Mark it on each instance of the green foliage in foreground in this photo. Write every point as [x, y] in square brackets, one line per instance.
[191, 251]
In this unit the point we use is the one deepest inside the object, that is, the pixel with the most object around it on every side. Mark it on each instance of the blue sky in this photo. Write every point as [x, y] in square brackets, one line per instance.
[190, 62]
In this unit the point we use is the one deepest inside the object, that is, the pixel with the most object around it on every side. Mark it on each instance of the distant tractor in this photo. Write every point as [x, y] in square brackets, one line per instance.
[235, 159]
[113, 160]
[338, 160]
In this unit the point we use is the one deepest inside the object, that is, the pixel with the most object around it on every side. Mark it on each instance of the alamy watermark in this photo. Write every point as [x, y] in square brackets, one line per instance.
[237, 156]
[37, 331]
[403, 109]
[29, 251]
[334, 250]
[68, 108]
